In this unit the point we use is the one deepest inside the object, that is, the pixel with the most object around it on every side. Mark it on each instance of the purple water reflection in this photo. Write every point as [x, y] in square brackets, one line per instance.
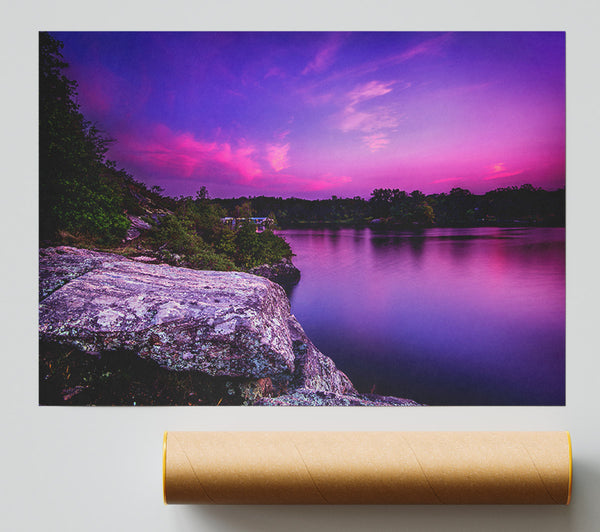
[445, 316]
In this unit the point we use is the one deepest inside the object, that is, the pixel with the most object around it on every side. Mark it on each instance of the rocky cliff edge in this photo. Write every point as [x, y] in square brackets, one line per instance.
[228, 327]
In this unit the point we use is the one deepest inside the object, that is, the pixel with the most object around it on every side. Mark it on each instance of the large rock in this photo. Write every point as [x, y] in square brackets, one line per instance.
[314, 370]
[233, 328]
[60, 265]
[220, 323]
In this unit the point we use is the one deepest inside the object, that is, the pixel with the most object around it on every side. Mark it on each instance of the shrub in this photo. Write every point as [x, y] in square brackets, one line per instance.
[254, 249]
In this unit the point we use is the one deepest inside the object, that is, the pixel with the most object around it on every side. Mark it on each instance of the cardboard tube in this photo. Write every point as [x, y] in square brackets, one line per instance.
[367, 467]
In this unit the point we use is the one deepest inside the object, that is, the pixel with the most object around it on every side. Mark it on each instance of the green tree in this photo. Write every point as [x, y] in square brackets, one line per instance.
[381, 201]
[202, 194]
[243, 211]
[79, 190]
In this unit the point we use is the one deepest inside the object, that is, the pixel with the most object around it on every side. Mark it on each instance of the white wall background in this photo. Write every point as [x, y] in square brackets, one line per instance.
[99, 469]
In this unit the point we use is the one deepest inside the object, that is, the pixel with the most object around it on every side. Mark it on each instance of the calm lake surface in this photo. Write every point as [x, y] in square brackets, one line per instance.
[444, 316]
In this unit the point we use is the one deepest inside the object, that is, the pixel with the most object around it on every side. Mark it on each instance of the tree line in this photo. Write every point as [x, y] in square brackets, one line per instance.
[524, 205]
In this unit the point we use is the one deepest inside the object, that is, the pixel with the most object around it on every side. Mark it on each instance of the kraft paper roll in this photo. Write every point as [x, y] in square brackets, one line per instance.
[367, 467]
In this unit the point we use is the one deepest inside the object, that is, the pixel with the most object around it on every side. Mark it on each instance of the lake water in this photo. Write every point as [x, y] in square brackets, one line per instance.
[444, 316]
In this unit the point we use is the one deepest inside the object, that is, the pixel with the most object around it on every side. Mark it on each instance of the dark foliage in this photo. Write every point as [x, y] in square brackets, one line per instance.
[524, 205]
[79, 189]
[254, 249]
[195, 236]
[72, 377]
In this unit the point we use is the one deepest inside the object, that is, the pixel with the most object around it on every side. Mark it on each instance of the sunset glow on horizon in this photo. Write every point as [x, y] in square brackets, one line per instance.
[313, 115]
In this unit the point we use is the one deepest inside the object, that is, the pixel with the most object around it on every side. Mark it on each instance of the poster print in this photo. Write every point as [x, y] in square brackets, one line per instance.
[301, 218]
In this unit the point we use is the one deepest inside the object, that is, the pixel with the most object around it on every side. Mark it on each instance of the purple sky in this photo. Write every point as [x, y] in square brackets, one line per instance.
[316, 114]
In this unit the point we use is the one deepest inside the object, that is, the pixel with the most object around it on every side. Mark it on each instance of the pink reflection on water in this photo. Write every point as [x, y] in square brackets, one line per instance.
[453, 316]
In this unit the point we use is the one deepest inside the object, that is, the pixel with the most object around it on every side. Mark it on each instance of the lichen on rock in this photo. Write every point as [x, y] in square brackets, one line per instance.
[221, 323]
[231, 326]
[308, 397]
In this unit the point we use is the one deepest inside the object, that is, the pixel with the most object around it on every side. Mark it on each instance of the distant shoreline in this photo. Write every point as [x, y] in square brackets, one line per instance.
[404, 227]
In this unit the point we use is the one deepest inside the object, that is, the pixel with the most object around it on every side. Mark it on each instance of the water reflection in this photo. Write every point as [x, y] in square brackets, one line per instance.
[447, 316]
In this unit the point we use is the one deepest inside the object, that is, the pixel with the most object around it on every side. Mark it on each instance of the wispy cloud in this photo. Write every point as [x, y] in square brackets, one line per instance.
[376, 122]
[381, 121]
[430, 46]
[326, 181]
[313, 93]
[447, 180]
[433, 46]
[498, 170]
[376, 141]
[503, 174]
[283, 134]
[368, 91]
[277, 155]
[325, 57]
[292, 183]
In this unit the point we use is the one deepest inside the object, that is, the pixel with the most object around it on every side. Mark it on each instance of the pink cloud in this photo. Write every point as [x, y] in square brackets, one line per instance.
[428, 47]
[294, 183]
[373, 120]
[182, 155]
[370, 90]
[325, 57]
[311, 94]
[326, 181]
[377, 120]
[283, 134]
[447, 180]
[376, 141]
[499, 170]
[503, 174]
[352, 120]
[277, 155]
